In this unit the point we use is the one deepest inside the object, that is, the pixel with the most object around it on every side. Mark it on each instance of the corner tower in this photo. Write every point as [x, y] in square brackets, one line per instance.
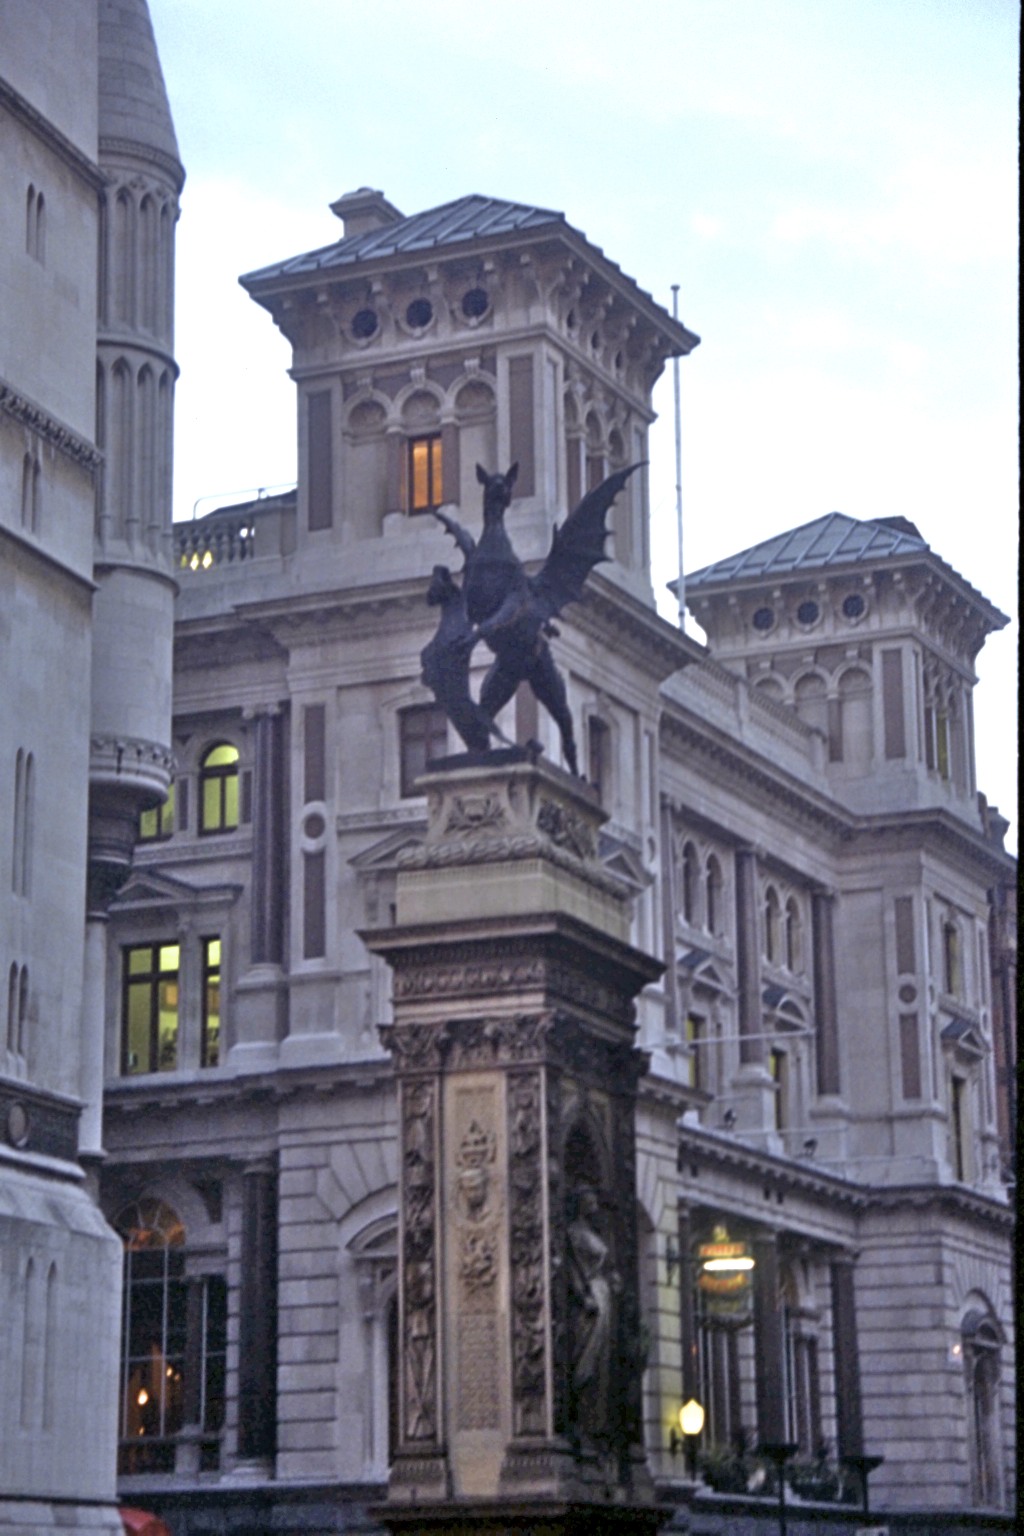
[872, 638]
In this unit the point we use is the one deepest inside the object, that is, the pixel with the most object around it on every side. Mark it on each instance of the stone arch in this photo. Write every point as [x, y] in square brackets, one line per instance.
[854, 744]
[810, 699]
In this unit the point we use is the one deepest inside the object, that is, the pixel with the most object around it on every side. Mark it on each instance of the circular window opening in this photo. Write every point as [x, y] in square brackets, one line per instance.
[908, 994]
[853, 606]
[364, 324]
[475, 303]
[419, 314]
[808, 612]
[763, 619]
[314, 825]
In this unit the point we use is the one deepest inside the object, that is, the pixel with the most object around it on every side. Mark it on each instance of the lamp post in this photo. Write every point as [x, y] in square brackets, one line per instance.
[778, 1452]
[691, 1422]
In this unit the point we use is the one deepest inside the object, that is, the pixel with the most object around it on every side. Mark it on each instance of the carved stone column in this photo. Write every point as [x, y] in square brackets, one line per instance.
[519, 1323]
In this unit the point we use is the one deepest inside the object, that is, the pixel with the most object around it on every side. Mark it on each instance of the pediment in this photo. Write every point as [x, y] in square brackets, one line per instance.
[382, 857]
[624, 861]
[964, 1039]
[153, 888]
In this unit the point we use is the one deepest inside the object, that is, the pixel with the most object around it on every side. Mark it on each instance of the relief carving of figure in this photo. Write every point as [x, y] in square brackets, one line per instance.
[594, 1285]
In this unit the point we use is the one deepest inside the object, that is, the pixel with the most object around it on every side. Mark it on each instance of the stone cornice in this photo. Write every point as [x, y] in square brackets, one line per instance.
[778, 1173]
[936, 829]
[684, 738]
[950, 1199]
[131, 149]
[27, 413]
[608, 614]
[130, 1096]
[87, 170]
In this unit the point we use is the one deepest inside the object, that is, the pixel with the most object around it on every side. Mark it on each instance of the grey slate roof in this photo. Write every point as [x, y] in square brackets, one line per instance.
[468, 218]
[827, 541]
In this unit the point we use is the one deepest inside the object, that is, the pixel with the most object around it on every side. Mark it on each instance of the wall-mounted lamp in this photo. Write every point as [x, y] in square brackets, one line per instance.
[810, 1146]
[729, 1119]
[691, 1422]
[672, 1258]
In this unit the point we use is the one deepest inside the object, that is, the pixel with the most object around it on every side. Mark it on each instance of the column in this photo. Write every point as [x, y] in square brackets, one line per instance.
[823, 950]
[849, 1412]
[768, 1341]
[268, 815]
[687, 1321]
[257, 1309]
[748, 958]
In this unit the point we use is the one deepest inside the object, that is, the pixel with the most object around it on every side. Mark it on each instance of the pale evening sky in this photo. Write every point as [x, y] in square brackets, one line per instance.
[832, 184]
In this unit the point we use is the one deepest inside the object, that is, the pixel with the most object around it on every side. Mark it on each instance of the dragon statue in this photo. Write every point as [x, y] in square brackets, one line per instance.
[511, 612]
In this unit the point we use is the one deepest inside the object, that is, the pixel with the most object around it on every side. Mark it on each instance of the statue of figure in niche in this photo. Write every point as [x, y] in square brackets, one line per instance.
[510, 611]
[594, 1286]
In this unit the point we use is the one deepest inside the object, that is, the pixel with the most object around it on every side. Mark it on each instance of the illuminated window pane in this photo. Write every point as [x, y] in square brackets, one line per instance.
[424, 473]
[218, 789]
[159, 822]
[211, 1003]
[149, 1010]
[220, 757]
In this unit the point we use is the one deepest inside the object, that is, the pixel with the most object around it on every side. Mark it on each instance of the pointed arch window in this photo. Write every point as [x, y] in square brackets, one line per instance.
[713, 913]
[688, 873]
[772, 920]
[794, 937]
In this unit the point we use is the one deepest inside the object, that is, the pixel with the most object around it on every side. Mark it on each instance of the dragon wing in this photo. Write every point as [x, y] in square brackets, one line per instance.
[462, 537]
[577, 546]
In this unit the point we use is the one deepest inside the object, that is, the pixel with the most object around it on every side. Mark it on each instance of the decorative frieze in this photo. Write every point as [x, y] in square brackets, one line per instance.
[67, 442]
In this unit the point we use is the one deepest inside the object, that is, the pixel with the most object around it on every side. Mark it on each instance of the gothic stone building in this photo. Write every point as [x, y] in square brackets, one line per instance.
[826, 1234]
[89, 181]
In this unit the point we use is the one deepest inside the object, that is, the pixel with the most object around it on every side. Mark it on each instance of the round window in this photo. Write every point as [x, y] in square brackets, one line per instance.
[808, 612]
[419, 314]
[853, 606]
[763, 619]
[364, 324]
[475, 303]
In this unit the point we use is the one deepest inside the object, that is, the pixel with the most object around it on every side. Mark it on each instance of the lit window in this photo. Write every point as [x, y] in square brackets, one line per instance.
[155, 1353]
[157, 824]
[423, 473]
[218, 789]
[211, 1003]
[149, 1012]
[422, 736]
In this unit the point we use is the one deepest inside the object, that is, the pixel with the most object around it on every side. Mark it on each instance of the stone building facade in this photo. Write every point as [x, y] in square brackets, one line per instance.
[90, 177]
[823, 1132]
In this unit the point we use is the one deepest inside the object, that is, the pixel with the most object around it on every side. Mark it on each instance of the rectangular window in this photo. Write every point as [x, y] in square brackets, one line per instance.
[598, 742]
[520, 422]
[149, 1008]
[423, 473]
[422, 736]
[319, 460]
[210, 1047]
[314, 917]
[905, 948]
[314, 731]
[158, 824]
[779, 1068]
[695, 1041]
[958, 1125]
[910, 1056]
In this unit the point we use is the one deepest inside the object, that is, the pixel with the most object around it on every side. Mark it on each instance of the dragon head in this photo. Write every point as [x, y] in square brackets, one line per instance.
[497, 490]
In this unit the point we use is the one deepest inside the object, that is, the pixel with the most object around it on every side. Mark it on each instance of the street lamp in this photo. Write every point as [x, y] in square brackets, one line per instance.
[778, 1452]
[691, 1422]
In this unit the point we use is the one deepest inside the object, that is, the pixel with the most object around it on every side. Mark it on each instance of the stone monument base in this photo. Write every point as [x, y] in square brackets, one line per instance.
[523, 1517]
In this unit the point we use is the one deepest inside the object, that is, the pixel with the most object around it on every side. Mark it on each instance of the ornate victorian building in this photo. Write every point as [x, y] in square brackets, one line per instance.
[822, 1134]
[90, 178]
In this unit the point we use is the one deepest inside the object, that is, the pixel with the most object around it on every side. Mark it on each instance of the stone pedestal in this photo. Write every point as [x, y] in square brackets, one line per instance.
[520, 1340]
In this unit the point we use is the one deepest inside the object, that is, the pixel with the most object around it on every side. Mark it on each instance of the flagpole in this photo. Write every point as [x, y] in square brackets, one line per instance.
[680, 592]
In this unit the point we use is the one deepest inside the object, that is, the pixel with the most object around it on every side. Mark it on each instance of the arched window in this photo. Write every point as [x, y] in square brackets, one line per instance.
[800, 1367]
[952, 963]
[981, 1350]
[218, 789]
[811, 702]
[688, 881]
[713, 914]
[153, 1337]
[772, 915]
[855, 744]
[794, 955]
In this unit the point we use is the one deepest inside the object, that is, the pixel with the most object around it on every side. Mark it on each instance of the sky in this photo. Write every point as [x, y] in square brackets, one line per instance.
[831, 183]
